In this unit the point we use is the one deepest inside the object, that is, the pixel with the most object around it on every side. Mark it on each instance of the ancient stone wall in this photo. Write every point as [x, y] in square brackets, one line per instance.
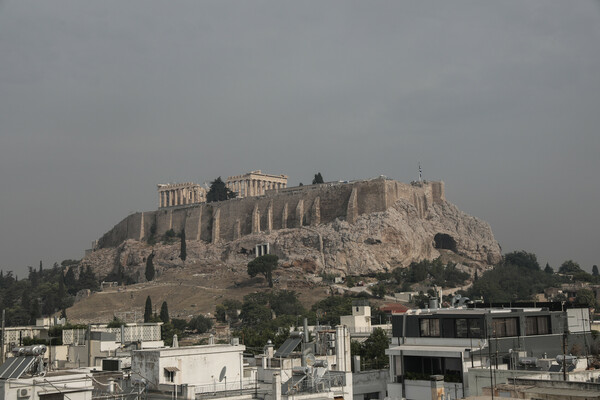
[287, 208]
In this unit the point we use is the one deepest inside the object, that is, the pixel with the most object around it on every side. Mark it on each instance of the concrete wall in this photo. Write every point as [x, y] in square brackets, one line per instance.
[365, 382]
[286, 208]
[196, 365]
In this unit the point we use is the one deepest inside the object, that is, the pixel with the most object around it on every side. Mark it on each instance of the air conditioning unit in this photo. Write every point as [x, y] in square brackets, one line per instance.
[24, 393]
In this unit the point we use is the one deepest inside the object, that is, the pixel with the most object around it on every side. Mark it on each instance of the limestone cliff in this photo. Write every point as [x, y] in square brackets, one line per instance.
[375, 241]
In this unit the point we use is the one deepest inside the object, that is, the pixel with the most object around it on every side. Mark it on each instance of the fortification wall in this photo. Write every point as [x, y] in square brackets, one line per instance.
[287, 208]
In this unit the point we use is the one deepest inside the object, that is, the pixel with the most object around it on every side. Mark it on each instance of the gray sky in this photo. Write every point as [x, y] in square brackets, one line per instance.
[102, 100]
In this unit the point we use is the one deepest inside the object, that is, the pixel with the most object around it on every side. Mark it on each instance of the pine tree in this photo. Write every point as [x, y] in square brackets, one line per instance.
[183, 252]
[71, 281]
[219, 191]
[548, 269]
[150, 271]
[318, 178]
[148, 310]
[40, 265]
[595, 270]
[164, 312]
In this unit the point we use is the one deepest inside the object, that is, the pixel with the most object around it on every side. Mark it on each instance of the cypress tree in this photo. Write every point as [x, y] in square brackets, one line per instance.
[150, 271]
[183, 252]
[148, 310]
[595, 270]
[164, 312]
[318, 178]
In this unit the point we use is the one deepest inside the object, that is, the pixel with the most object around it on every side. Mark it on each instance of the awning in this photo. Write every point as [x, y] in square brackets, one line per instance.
[171, 369]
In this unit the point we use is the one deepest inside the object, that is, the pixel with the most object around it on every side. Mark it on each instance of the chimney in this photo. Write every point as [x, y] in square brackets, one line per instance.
[276, 386]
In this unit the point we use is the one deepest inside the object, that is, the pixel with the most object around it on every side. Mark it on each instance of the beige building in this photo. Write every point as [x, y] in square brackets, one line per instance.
[255, 183]
[179, 194]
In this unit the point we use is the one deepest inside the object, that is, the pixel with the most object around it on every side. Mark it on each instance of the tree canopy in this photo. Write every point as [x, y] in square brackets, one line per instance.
[372, 351]
[264, 265]
[219, 191]
[148, 310]
[200, 324]
[517, 277]
[150, 271]
[317, 179]
[183, 249]
[164, 312]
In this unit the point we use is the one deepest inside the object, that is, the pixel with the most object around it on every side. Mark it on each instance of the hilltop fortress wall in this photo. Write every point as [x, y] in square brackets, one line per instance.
[277, 209]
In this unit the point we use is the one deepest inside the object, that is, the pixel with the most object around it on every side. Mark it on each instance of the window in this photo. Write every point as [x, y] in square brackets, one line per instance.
[462, 328]
[467, 328]
[539, 325]
[430, 327]
[170, 373]
[474, 328]
[503, 327]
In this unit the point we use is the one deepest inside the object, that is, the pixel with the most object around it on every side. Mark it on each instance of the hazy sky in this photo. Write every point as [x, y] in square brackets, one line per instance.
[102, 100]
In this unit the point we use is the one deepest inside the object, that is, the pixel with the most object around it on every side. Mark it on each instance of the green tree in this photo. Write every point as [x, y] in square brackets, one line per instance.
[569, 267]
[374, 349]
[378, 290]
[150, 271]
[548, 269]
[183, 249]
[585, 298]
[522, 259]
[164, 312]
[220, 313]
[317, 179]
[71, 281]
[595, 270]
[219, 191]
[228, 310]
[115, 323]
[254, 314]
[200, 324]
[148, 310]
[264, 265]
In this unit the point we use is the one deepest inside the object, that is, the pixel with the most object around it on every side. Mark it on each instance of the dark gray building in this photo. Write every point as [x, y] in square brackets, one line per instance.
[447, 342]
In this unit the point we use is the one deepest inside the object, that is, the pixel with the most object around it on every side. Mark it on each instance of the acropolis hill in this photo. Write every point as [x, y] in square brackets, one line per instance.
[350, 227]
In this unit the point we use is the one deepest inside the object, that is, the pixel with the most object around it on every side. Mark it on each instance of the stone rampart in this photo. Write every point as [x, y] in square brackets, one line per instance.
[286, 208]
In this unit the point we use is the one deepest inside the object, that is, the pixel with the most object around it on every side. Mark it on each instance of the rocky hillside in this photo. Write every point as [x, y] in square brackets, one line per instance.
[375, 242]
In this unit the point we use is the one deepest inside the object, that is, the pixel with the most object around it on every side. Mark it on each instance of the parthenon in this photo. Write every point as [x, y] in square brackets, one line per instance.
[178, 194]
[255, 183]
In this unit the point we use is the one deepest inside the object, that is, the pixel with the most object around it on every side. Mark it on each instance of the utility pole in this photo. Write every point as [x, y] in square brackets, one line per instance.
[564, 363]
[2, 338]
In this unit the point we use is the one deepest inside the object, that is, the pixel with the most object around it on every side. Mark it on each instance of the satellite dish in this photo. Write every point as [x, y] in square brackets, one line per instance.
[222, 375]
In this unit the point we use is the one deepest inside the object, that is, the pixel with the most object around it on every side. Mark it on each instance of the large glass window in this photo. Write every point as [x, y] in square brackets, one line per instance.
[539, 325]
[502, 327]
[467, 328]
[430, 327]
[475, 328]
[462, 327]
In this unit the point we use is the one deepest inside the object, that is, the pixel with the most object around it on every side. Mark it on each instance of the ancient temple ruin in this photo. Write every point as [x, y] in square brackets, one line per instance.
[251, 184]
[255, 183]
[179, 194]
